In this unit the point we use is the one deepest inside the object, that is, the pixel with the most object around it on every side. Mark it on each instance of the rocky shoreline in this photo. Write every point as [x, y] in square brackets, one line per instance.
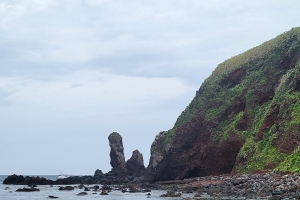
[273, 185]
[131, 176]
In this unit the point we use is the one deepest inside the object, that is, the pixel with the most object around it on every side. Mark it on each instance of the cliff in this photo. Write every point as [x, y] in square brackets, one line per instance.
[244, 118]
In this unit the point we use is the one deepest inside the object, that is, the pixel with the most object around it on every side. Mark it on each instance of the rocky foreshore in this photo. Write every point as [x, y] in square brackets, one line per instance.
[273, 185]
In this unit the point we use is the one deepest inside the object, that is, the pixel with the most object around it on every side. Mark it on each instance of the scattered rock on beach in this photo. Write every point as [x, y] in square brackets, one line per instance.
[82, 194]
[171, 194]
[28, 190]
[52, 197]
[66, 188]
[104, 192]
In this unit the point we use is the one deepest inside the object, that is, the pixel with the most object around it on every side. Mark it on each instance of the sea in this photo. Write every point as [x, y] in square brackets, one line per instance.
[8, 192]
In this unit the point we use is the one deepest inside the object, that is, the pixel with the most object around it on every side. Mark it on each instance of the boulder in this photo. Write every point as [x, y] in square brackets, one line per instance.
[52, 197]
[117, 158]
[171, 194]
[82, 193]
[104, 192]
[32, 189]
[98, 174]
[66, 188]
[135, 165]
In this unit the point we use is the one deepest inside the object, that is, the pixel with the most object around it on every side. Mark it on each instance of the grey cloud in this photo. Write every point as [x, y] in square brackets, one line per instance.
[58, 46]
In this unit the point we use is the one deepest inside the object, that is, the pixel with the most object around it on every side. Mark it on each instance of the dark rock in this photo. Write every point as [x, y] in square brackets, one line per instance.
[86, 189]
[52, 197]
[66, 188]
[237, 181]
[133, 189]
[28, 180]
[146, 190]
[171, 194]
[82, 193]
[135, 165]
[28, 190]
[95, 187]
[98, 173]
[104, 192]
[117, 158]
[106, 187]
[81, 186]
[275, 198]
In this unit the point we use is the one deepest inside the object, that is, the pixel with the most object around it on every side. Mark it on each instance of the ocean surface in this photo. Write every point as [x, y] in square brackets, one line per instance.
[9, 192]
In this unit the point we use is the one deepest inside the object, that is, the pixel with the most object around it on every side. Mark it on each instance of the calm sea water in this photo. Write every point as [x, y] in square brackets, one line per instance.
[7, 192]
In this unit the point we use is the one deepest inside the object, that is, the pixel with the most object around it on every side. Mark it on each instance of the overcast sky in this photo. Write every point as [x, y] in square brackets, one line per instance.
[73, 71]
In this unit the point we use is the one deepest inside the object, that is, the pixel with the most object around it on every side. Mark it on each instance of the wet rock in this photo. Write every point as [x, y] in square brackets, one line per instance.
[81, 186]
[66, 188]
[146, 190]
[117, 158]
[171, 194]
[82, 194]
[104, 192]
[106, 187]
[52, 197]
[28, 190]
[95, 187]
[133, 189]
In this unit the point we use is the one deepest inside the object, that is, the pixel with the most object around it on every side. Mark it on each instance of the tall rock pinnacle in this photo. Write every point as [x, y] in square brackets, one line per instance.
[117, 158]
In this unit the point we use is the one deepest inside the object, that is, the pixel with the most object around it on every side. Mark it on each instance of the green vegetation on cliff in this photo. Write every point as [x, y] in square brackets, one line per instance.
[255, 95]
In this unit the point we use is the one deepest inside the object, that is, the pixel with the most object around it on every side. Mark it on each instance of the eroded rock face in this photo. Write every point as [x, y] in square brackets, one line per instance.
[135, 165]
[156, 153]
[117, 158]
[191, 152]
[245, 109]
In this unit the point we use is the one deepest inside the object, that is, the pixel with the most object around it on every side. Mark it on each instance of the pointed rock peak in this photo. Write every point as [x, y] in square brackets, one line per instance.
[135, 165]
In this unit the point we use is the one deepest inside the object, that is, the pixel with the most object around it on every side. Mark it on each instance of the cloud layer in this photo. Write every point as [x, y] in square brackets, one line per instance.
[73, 71]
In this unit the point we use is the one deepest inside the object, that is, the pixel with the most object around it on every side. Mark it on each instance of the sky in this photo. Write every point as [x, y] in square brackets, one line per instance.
[74, 71]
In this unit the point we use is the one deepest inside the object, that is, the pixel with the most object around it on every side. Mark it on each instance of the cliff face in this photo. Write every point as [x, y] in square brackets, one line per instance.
[245, 117]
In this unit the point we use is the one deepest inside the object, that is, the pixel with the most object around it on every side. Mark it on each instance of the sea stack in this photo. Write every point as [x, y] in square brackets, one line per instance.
[117, 158]
[135, 165]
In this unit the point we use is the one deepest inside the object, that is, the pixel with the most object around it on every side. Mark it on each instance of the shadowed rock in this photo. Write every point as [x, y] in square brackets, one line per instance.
[135, 165]
[32, 189]
[117, 159]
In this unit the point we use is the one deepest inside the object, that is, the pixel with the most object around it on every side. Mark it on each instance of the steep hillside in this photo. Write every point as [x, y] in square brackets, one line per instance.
[245, 117]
